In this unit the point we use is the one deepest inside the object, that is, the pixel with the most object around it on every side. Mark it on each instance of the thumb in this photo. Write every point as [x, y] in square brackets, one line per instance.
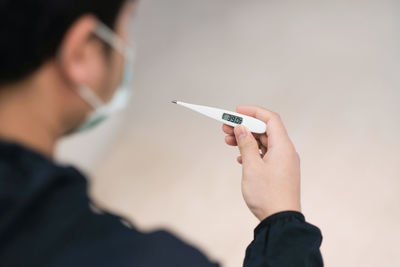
[247, 144]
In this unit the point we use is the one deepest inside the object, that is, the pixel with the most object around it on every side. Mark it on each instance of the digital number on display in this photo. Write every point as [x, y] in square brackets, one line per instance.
[232, 118]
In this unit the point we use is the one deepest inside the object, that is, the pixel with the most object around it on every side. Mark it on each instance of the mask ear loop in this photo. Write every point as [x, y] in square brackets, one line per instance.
[86, 94]
[113, 40]
[93, 100]
[108, 36]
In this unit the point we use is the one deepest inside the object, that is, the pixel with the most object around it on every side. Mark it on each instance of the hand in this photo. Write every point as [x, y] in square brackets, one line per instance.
[271, 165]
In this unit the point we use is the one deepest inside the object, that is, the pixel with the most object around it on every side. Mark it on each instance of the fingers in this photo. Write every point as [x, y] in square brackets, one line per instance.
[255, 146]
[239, 158]
[247, 144]
[276, 131]
[227, 129]
[230, 140]
[263, 151]
[264, 140]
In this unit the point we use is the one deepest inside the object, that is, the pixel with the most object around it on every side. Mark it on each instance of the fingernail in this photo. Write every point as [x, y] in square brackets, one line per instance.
[242, 132]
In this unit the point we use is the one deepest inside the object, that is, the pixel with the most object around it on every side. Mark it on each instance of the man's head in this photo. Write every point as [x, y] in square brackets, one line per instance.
[49, 48]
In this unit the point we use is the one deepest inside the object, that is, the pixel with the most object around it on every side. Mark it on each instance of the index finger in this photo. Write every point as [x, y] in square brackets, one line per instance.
[276, 131]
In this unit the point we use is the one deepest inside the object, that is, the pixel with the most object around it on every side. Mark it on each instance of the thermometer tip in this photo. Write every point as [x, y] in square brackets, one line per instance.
[174, 101]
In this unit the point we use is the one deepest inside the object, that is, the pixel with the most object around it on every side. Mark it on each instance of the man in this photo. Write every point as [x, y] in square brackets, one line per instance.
[61, 62]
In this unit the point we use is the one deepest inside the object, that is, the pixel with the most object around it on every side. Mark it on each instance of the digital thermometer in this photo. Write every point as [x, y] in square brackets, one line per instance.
[227, 117]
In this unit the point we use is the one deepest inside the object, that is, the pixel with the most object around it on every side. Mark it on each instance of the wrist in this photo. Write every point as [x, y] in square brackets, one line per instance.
[264, 214]
[280, 216]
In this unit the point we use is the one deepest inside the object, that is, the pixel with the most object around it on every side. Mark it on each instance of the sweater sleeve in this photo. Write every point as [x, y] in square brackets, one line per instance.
[285, 239]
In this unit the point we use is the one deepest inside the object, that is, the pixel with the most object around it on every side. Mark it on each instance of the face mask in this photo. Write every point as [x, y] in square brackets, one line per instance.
[101, 110]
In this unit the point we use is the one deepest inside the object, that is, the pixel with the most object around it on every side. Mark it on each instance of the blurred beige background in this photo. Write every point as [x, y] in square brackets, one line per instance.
[330, 68]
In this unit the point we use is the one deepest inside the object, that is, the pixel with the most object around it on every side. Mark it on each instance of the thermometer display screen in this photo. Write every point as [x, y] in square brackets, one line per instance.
[232, 118]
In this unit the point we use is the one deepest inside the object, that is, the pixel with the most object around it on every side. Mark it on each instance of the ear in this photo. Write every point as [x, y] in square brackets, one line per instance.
[80, 55]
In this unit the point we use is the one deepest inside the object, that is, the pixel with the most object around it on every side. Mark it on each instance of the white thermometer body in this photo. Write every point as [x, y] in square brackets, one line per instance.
[227, 117]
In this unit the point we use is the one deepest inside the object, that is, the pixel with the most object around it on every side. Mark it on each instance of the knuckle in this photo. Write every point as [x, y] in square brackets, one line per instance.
[264, 114]
[276, 116]
[262, 109]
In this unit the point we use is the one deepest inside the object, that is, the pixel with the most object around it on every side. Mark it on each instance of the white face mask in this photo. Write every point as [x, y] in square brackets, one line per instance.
[120, 100]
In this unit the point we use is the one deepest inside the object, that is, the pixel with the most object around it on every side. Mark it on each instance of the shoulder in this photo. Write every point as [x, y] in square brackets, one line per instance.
[50, 219]
[107, 240]
[100, 238]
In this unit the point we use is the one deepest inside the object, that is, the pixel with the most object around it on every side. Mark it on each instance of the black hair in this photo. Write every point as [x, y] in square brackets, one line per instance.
[31, 31]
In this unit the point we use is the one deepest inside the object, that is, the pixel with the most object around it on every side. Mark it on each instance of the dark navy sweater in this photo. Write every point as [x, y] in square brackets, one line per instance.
[46, 219]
